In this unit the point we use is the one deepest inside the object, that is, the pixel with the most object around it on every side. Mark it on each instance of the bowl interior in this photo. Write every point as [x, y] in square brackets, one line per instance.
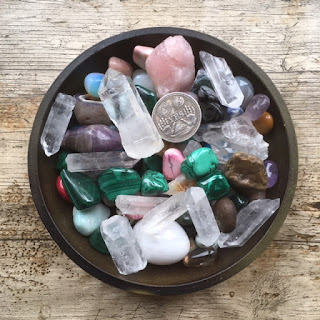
[57, 214]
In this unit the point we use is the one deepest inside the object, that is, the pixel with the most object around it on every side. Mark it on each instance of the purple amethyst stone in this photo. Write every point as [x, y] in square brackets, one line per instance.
[272, 172]
[258, 105]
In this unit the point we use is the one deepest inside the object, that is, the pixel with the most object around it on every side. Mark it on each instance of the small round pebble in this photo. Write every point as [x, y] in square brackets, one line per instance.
[264, 124]
[225, 213]
[272, 172]
[257, 106]
[141, 78]
[62, 190]
[120, 65]
[92, 82]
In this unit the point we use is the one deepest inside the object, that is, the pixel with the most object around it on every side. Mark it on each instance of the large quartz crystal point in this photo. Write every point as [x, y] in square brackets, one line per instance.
[57, 123]
[122, 245]
[163, 214]
[222, 79]
[139, 136]
[202, 216]
[249, 221]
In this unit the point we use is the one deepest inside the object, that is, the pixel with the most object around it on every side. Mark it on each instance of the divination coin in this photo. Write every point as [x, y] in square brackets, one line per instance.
[177, 116]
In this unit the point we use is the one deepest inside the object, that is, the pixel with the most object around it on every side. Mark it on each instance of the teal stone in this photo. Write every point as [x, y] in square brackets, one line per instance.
[153, 183]
[185, 219]
[61, 161]
[97, 242]
[239, 201]
[119, 181]
[153, 163]
[199, 163]
[148, 97]
[215, 185]
[82, 190]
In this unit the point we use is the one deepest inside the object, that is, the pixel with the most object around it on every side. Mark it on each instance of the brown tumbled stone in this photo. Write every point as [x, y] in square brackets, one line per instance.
[225, 213]
[245, 171]
[256, 195]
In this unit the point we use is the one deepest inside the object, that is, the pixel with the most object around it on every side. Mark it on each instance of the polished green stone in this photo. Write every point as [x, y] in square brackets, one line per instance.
[185, 219]
[82, 190]
[239, 201]
[61, 161]
[153, 163]
[153, 183]
[148, 97]
[119, 181]
[215, 185]
[202, 80]
[97, 241]
[199, 163]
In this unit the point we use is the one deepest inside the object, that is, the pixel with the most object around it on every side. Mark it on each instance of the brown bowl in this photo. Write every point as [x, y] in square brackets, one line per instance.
[174, 279]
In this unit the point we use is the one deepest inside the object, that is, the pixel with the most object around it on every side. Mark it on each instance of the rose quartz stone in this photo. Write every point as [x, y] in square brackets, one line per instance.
[172, 160]
[140, 55]
[171, 66]
[120, 65]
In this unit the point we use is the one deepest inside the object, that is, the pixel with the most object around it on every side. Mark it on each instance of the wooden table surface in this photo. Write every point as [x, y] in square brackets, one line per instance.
[38, 38]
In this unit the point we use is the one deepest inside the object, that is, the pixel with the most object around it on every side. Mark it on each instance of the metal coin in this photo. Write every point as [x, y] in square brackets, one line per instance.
[177, 116]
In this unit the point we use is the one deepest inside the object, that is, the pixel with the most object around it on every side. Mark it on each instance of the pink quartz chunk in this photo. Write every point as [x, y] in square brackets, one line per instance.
[172, 160]
[140, 55]
[171, 66]
[120, 65]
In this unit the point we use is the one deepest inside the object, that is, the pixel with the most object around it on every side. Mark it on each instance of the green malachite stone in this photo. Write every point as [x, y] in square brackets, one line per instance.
[215, 185]
[82, 190]
[153, 163]
[148, 97]
[153, 183]
[119, 181]
[239, 201]
[61, 162]
[97, 242]
[199, 163]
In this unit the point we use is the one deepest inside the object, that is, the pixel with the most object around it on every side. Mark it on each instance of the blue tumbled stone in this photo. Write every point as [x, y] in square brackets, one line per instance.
[92, 82]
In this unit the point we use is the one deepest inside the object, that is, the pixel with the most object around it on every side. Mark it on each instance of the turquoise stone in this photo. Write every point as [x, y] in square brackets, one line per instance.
[153, 163]
[61, 161]
[148, 97]
[153, 183]
[97, 242]
[119, 181]
[92, 82]
[82, 190]
[199, 163]
[239, 201]
[215, 185]
[185, 219]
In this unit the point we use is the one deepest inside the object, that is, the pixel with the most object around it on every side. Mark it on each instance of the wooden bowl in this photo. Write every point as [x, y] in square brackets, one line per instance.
[56, 214]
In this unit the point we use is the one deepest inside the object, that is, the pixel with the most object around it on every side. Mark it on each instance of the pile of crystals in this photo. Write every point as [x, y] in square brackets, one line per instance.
[141, 199]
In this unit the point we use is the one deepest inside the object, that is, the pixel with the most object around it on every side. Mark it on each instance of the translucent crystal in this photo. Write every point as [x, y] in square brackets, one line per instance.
[139, 136]
[249, 220]
[161, 216]
[202, 216]
[222, 79]
[191, 146]
[57, 123]
[122, 245]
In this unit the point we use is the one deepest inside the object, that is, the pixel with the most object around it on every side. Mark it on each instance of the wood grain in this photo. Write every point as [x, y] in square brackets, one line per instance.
[38, 39]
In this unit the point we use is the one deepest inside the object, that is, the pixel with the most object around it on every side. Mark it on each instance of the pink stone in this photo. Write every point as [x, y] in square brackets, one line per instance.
[140, 55]
[120, 65]
[171, 66]
[171, 164]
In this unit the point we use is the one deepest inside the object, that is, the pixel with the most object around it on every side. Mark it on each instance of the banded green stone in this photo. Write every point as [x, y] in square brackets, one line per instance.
[61, 161]
[199, 163]
[97, 242]
[153, 183]
[119, 181]
[153, 163]
[82, 190]
[148, 97]
[215, 185]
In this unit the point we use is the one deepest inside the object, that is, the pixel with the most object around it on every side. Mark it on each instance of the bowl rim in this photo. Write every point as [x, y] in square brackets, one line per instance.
[65, 246]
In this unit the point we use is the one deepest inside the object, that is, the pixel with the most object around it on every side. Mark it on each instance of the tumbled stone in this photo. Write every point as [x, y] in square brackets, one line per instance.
[264, 124]
[116, 181]
[142, 79]
[185, 219]
[61, 161]
[172, 160]
[179, 184]
[62, 190]
[245, 171]
[201, 257]
[148, 97]
[140, 55]
[255, 194]
[215, 185]
[239, 201]
[201, 79]
[92, 82]
[225, 213]
[199, 163]
[247, 90]
[153, 183]
[81, 189]
[272, 172]
[152, 163]
[120, 65]
[97, 241]
[257, 106]
[206, 93]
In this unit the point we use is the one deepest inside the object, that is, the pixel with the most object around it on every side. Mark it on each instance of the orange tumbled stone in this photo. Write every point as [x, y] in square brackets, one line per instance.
[264, 124]
[120, 65]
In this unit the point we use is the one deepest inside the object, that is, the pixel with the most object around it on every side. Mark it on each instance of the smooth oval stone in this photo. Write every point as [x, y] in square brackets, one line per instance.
[239, 201]
[201, 257]
[185, 219]
[140, 55]
[215, 185]
[120, 65]
[142, 79]
[256, 195]
[92, 82]
[152, 163]
[62, 190]
[225, 213]
[199, 163]
[88, 220]
[97, 241]
[93, 138]
[166, 247]
[232, 113]
[172, 160]
[117, 181]
[247, 90]
[272, 172]
[61, 161]
[148, 97]
[201, 80]
[257, 106]
[153, 183]
[88, 111]
[83, 192]
[264, 124]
